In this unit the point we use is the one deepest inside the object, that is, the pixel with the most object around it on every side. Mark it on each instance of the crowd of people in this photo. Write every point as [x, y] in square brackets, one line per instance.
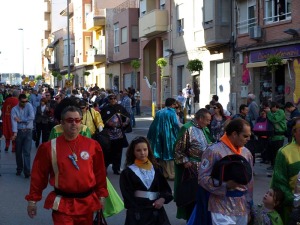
[198, 150]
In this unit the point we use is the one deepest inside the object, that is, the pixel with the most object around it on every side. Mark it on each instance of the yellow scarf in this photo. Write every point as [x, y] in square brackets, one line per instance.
[146, 165]
[227, 142]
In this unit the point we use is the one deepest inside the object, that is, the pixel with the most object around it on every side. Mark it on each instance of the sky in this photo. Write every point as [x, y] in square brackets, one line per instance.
[26, 15]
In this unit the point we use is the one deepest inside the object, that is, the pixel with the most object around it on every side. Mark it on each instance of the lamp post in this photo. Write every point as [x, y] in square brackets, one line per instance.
[21, 29]
[68, 30]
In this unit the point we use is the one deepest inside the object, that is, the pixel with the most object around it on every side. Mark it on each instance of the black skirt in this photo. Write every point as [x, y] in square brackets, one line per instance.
[147, 217]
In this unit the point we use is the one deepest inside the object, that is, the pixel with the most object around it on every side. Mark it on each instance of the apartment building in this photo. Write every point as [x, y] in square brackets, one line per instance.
[263, 29]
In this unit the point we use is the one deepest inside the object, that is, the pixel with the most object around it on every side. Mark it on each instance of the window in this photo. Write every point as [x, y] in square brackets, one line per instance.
[208, 11]
[87, 44]
[87, 10]
[116, 37]
[166, 48]
[180, 20]
[143, 7]
[123, 35]
[134, 33]
[246, 15]
[162, 4]
[277, 10]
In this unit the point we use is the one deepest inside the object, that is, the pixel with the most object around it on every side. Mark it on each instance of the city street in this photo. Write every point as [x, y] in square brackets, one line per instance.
[14, 188]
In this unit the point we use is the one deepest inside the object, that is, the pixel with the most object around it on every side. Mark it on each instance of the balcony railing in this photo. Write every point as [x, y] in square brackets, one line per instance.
[95, 57]
[243, 26]
[277, 18]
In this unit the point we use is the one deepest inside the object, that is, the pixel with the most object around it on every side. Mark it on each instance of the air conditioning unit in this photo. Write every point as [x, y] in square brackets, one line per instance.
[255, 32]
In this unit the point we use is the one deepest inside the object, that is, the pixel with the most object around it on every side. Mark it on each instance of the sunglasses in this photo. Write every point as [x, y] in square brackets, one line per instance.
[215, 107]
[82, 107]
[72, 120]
[23, 102]
[112, 98]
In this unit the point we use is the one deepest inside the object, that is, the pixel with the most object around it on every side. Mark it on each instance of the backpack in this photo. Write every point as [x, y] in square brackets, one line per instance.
[263, 128]
[232, 167]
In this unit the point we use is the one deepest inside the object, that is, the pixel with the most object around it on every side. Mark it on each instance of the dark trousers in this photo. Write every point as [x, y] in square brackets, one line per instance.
[137, 108]
[274, 147]
[44, 130]
[251, 145]
[114, 156]
[263, 148]
[23, 149]
[188, 106]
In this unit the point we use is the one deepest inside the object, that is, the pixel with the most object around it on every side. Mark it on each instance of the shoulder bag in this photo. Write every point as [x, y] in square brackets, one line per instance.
[101, 137]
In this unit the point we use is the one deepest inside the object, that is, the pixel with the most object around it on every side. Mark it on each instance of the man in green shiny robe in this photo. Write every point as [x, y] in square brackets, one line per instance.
[193, 138]
[162, 135]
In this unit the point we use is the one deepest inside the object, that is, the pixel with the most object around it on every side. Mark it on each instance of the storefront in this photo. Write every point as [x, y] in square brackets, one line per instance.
[285, 77]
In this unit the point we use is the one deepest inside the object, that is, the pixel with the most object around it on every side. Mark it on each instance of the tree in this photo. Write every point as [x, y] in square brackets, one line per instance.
[273, 62]
[135, 64]
[161, 63]
[195, 65]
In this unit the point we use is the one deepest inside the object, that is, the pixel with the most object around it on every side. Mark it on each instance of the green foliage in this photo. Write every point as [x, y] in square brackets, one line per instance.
[161, 63]
[110, 75]
[195, 65]
[55, 73]
[71, 76]
[86, 73]
[39, 77]
[135, 64]
[273, 62]
[59, 77]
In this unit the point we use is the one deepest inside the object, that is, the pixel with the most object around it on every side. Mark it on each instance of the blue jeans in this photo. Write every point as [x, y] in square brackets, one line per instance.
[23, 148]
[132, 119]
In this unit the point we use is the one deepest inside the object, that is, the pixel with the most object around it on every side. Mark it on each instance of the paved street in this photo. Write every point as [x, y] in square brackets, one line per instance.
[13, 188]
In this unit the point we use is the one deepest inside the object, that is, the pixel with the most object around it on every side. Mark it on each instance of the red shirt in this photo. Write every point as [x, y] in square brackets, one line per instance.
[91, 174]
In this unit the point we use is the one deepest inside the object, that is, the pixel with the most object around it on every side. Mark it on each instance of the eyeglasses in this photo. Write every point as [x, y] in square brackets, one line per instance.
[24, 102]
[72, 120]
[47, 95]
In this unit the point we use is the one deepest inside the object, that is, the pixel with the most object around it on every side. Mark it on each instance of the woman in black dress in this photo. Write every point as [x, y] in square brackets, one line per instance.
[143, 186]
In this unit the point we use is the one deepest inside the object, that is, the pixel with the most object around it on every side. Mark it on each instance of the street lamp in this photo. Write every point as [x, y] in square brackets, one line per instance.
[21, 29]
[68, 29]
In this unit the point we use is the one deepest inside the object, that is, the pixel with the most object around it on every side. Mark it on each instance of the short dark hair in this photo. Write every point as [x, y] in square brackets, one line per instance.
[70, 109]
[215, 97]
[201, 113]
[274, 104]
[236, 125]
[288, 105]
[242, 107]
[22, 96]
[170, 101]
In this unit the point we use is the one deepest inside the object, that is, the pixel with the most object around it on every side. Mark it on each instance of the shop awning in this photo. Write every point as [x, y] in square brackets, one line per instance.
[261, 64]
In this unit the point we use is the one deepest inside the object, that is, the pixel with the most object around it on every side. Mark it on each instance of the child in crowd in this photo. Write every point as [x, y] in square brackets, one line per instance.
[143, 186]
[267, 213]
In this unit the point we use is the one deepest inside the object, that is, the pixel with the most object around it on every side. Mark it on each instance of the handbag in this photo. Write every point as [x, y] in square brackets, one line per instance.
[113, 203]
[101, 137]
[99, 218]
[187, 189]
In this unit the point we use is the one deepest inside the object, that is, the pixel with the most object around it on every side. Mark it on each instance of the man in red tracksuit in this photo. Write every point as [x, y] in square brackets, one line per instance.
[74, 166]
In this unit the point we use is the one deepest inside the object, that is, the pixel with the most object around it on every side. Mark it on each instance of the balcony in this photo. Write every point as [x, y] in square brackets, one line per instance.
[95, 57]
[153, 23]
[95, 20]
